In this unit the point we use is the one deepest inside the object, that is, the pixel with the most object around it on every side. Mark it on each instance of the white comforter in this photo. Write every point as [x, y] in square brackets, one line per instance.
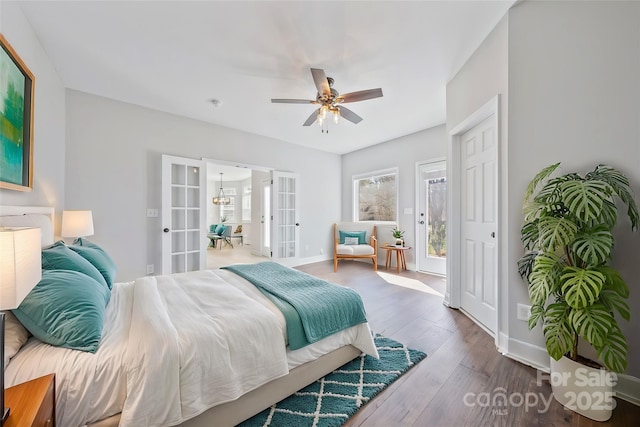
[172, 347]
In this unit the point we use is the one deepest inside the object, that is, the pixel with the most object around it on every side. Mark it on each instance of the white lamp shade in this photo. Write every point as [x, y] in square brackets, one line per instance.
[20, 264]
[77, 223]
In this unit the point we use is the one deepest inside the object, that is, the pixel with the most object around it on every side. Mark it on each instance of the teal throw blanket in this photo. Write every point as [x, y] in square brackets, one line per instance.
[313, 308]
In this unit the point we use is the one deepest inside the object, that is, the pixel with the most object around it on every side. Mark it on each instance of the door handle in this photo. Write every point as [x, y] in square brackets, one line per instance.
[493, 234]
[421, 222]
[297, 224]
[166, 230]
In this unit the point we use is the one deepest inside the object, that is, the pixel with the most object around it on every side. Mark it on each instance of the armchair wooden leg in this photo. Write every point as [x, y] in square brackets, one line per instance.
[335, 264]
[375, 264]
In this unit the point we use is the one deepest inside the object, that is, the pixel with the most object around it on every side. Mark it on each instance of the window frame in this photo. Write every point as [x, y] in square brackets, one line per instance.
[246, 204]
[231, 208]
[355, 193]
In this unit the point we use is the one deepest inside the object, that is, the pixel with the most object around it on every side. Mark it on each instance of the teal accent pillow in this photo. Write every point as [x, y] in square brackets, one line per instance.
[59, 257]
[212, 228]
[220, 229]
[361, 235]
[97, 257]
[65, 309]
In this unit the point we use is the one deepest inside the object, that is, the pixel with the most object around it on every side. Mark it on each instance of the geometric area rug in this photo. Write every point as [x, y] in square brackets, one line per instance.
[334, 398]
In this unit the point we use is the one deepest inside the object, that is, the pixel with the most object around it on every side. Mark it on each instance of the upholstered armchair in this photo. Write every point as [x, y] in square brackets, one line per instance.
[354, 240]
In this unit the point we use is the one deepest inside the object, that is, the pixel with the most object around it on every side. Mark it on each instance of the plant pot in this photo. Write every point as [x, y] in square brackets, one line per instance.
[582, 389]
[398, 242]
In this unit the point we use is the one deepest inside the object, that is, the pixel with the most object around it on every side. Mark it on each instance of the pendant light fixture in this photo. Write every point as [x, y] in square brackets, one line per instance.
[221, 199]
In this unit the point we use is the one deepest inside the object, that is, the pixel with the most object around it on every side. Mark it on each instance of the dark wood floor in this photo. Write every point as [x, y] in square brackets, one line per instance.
[462, 360]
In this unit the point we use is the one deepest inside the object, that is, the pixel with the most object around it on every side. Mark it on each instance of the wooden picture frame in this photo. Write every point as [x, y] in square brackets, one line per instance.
[16, 120]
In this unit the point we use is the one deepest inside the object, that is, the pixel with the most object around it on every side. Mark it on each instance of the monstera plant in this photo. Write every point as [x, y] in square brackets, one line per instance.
[568, 240]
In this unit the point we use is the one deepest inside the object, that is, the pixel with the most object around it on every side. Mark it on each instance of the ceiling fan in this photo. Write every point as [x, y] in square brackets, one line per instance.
[330, 100]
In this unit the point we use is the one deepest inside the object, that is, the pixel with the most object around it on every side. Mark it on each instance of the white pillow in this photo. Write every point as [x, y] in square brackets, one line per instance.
[15, 336]
[351, 241]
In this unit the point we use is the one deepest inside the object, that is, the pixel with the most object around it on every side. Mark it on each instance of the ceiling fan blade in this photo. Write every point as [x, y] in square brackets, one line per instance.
[349, 115]
[320, 79]
[293, 101]
[360, 95]
[312, 118]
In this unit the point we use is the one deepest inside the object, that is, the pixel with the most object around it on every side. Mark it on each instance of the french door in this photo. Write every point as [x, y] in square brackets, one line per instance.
[184, 240]
[432, 219]
[285, 217]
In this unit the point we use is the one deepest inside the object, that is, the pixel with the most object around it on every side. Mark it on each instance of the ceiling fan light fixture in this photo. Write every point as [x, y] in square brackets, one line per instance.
[336, 115]
[323, 111]
[221, 198]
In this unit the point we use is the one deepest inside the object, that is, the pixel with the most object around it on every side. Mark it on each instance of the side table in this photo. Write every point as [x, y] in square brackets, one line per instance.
[401, 262]
[32, 403]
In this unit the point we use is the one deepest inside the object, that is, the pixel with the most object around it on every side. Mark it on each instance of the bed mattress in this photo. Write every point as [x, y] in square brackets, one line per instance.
[210, 322]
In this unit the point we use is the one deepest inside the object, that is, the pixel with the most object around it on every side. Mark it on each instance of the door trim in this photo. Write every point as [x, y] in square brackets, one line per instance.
[416, 237]
[453, 294]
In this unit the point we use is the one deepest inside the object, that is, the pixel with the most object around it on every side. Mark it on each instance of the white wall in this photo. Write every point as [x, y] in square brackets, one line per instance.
[113, 156]
[484, 76]
[575, 98]
[49, 117]
[402, 153]
[570, 93]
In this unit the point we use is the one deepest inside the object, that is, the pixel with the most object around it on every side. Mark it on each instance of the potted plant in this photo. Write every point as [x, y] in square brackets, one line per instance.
[397, 234]
[574, 292]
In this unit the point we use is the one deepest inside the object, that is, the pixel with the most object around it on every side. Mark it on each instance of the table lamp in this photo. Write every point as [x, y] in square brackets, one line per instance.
[20, 271]
[77, 224]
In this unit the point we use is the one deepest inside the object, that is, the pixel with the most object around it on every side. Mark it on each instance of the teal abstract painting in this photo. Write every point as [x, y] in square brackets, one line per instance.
[16, 84]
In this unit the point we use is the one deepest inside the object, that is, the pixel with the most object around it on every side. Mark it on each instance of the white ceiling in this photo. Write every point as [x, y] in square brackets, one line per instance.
[176, 56]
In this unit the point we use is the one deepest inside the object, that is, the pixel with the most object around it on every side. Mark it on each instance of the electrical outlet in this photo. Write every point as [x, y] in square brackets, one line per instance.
[524, 312]
[150, 269]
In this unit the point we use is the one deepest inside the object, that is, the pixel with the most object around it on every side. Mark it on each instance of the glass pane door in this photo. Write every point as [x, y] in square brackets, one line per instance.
[183, 191]
[286, 238]
[432, 223]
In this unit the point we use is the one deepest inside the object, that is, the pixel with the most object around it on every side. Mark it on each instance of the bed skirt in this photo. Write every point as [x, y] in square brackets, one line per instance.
[232, 413]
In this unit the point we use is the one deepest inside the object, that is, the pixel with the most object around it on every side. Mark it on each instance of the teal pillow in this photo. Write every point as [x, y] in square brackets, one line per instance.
[97, 257]
[361, 235]
[212, 228]
[59, 257]
[220, 229]
[65, 309]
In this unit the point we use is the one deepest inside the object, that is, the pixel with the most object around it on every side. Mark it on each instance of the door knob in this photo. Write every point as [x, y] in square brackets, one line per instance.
[297, 224]
[421, 222]
[166, 230]
[493, 234]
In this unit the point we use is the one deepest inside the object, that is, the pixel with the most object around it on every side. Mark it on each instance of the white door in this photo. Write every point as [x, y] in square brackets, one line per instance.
[478, 154]
[432, 218]
[184, 239]
[265, 219]
[285, 241]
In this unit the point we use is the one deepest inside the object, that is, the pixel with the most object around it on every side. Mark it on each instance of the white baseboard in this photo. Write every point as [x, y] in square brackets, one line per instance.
[627, 387]
[528, 354]
[311, 260]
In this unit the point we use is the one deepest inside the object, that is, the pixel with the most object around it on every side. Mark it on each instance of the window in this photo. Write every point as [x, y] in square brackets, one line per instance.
[229, 211]
[246, 203]
[375, 196]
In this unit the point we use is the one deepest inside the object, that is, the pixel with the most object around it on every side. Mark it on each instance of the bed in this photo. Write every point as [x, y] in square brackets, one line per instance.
[193, 349]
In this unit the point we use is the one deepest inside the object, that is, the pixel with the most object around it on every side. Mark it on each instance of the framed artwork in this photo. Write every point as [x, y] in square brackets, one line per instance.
[16, 120]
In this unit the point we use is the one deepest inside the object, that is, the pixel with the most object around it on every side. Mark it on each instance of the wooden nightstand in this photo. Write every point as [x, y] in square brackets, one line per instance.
[32, 403]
